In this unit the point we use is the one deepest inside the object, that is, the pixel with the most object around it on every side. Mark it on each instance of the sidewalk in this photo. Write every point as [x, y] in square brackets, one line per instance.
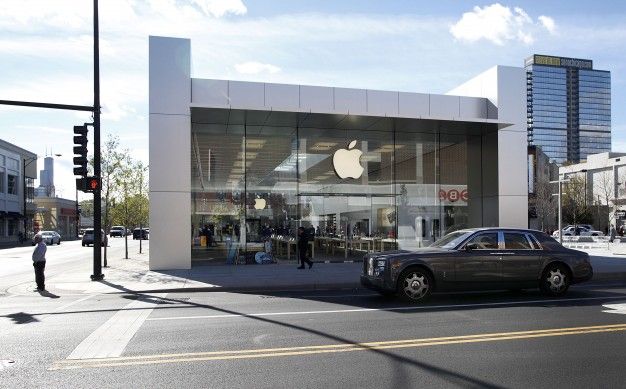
[131, 275]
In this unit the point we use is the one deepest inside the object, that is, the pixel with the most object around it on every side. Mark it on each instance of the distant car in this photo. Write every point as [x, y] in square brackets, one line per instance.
[117, 231]
[478, 259]
[88, 238]
[143, 233]
[49, 237]
[580, 230]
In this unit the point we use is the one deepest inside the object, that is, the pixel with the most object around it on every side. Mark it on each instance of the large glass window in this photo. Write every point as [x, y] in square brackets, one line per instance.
[12, 184]
[356, 184]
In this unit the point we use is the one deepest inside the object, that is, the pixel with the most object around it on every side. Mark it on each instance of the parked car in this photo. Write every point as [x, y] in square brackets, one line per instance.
[143, 233]
[478, 259]
[580, 230]
[88, 237]
[48, 237]
[117, 231]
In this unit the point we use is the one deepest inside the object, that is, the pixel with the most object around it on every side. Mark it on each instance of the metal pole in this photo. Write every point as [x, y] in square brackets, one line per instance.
[24, 195]
[77, 214]
[560, 230]
[97, 198]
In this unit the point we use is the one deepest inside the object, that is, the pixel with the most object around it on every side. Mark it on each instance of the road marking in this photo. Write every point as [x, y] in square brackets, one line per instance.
[615, 308]
[329, 348]
[358, 310]
[112, 337]
[75, 302]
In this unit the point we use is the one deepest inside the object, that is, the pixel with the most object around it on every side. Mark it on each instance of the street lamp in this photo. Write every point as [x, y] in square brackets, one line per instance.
[560, 181]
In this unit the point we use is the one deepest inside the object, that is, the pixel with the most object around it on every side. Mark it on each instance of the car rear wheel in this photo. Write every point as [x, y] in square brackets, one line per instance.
[555, 280]
[414, 285]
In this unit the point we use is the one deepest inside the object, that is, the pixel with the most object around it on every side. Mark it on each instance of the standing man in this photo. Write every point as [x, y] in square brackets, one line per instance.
[303, 246]
[39, 263]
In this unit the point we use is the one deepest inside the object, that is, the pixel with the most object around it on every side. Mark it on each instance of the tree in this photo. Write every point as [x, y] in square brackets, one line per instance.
[605, 187]
[574, 202]
[131, 207]
[545, 205]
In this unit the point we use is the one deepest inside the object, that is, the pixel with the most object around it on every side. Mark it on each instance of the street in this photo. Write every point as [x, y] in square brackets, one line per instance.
[341, 338]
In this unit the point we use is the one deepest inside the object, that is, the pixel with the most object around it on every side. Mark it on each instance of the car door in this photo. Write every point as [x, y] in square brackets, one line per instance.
[521, 257]
[480, 265]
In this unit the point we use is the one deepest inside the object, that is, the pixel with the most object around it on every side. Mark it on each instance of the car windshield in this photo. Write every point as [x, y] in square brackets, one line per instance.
[451, 240]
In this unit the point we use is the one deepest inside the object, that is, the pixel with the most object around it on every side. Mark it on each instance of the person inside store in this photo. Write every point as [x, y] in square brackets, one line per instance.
[303, 245]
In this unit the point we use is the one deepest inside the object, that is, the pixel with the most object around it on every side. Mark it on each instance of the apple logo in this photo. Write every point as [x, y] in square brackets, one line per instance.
[347, 162]
[259, 203]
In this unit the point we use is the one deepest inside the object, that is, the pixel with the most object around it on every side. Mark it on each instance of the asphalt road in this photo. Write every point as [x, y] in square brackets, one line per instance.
[315, 339]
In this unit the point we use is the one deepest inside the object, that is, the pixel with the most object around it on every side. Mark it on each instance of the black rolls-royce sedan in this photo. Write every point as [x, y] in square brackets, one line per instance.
[478, 259]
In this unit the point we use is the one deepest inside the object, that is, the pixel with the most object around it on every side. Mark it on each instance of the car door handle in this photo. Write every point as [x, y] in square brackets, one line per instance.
[507, 253]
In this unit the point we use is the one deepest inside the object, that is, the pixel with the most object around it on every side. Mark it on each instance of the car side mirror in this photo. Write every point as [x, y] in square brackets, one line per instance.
[471, 246]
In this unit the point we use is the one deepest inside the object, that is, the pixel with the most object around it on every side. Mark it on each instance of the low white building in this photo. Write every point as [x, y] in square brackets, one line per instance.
[233, 164]
[604, 175]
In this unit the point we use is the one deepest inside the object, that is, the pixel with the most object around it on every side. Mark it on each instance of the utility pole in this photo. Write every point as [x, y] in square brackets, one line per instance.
[97, 197]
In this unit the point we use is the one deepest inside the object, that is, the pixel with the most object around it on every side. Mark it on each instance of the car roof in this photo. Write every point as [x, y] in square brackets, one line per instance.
[511, 229]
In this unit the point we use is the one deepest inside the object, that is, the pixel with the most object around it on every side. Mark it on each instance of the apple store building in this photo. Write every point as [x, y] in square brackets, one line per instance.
[237, 167]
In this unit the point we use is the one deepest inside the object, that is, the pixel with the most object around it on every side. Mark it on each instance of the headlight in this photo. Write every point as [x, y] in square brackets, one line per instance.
[380, 267]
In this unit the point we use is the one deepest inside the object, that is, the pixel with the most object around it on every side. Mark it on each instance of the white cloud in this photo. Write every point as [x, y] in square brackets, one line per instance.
[256, 68]
[548, 23]
[219, 8]
[497, 24]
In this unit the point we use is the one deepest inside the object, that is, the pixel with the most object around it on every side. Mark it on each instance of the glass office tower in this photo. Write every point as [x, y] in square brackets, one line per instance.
[569, 107]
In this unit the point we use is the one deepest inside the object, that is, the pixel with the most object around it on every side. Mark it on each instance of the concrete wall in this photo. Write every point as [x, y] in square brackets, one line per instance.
[170, 153]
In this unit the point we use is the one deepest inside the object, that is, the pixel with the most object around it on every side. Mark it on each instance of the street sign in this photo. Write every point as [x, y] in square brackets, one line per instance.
[620, 214]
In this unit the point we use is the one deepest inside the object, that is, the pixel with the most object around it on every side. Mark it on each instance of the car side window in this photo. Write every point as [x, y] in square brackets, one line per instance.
[486, 241]
[515, 241]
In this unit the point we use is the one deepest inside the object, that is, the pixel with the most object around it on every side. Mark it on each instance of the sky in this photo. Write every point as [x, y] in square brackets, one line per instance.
[46, 52]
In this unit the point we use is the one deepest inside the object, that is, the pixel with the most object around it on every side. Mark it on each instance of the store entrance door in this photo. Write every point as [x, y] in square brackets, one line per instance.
[347, 226]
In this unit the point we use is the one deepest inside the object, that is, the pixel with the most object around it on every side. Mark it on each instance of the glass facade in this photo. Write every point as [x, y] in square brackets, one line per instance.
[356, 184]
[569, 109]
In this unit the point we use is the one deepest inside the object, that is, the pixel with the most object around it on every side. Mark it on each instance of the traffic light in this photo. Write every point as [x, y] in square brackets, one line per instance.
[88, 184]
[80, 150]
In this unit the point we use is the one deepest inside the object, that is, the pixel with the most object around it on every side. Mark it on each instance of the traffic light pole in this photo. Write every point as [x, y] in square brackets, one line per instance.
[97, 198]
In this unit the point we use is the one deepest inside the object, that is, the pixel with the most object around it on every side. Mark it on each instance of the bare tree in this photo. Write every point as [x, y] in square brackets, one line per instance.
[574, 201]
[545, 205]
[605, 187]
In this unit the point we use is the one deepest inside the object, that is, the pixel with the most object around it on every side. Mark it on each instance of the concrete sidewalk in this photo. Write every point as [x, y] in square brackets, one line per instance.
[131, 275]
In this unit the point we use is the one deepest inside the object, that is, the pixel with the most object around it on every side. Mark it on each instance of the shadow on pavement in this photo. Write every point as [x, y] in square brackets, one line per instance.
[46, 293]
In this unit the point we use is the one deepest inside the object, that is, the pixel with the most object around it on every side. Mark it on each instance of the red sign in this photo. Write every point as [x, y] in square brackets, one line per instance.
[453, 195]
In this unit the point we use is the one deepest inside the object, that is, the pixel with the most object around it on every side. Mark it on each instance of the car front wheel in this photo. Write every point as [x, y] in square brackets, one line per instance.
[555, 280]
[414, 285]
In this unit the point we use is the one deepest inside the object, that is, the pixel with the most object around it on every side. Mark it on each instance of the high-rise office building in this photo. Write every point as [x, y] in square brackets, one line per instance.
[569, 107]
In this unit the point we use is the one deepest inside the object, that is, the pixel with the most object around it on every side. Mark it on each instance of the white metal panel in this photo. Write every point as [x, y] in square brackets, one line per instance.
[210, 93]
[471, 107]
[512, 163]
[316, 99]
[413, 105]
[352, 101]
[247, 95]
[170, 233]
[443, 106]
[169, 75]
[282, 97]
[382, 103]
[170, 153]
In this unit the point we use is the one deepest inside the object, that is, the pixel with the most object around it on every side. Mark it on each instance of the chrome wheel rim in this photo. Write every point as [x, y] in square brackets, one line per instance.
[556, 280]
[415, 286]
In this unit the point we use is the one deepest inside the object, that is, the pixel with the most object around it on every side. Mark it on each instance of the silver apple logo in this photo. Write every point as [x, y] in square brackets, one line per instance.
[347, 162]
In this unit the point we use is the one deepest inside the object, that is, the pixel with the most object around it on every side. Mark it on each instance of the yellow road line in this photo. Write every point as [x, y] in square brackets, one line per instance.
[331, 348]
